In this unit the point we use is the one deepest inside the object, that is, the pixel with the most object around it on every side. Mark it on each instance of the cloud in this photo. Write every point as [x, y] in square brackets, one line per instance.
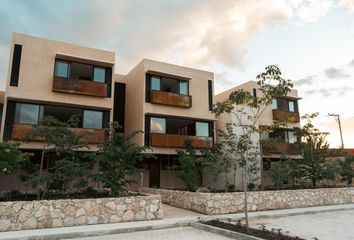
[351, 64]
[309, 80]
[312, 11]
[200, 33]
[329, 91]
[336, 73]
[347, 5]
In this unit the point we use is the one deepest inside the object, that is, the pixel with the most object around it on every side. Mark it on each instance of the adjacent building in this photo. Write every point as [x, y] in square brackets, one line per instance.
[272, 146]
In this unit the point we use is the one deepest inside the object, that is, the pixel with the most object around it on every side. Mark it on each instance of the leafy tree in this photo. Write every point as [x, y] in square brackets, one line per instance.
[281, 172]
[67, 167]
[11, 158]
[247, 110]
[347, 169]
[117, 158]
[192, 167]
[314, 166]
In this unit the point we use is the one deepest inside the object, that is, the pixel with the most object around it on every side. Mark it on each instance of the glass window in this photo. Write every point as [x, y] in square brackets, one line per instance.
[183, 88]
[292, 138]
[28, 113]
[155, 83]
[61, 69]
[99, 74]
[81, 71]
[274, 104]
[202, 129]
[291, 105]
[158, 125]
[92, 119]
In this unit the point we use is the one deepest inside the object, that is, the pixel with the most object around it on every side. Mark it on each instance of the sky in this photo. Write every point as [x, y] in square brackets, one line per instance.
[312, 41]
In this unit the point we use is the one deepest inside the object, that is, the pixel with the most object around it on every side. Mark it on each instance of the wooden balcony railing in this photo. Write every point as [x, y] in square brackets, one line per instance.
[271, 146]
[171, 99]
[83, 87]
[94, 136]
[283, 115]
[177, 141]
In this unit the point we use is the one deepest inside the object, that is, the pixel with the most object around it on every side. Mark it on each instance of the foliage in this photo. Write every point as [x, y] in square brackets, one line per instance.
[117, 158]
[247, 109]
[192, 167]
[280, 172]
[67, 167]
[347, 169]
[314, 166]
[11, 158]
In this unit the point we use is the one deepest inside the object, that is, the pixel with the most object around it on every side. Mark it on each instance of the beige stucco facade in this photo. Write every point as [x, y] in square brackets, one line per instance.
[137, 108]
[37, 72]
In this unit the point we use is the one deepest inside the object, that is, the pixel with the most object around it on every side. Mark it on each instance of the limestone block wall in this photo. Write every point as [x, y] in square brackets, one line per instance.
[223, 203]
[22, 215]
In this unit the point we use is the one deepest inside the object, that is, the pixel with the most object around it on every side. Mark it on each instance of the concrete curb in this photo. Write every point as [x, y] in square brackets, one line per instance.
[224, 232]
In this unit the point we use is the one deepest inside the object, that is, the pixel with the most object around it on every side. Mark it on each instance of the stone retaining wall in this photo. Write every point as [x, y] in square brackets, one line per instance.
[22, 215]
[222, 203]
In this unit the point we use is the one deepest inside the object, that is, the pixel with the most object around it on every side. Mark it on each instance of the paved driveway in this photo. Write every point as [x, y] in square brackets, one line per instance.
[178, 233]
[338, 225]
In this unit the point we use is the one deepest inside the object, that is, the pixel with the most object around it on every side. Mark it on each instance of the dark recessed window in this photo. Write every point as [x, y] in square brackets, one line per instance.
[63, 113]
[28, 113]
[166, 84]
[99, 74]
[16, 62]
[62, 68]
[81, 71]
[92, 119]
[210, 94]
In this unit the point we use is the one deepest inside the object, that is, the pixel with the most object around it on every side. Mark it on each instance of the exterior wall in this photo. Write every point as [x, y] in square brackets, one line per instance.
[136, 84]
[75, 212]
[224, 203]
[37, 71]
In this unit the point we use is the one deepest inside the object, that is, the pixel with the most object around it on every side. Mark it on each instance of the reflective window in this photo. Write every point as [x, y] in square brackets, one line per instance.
[202, 129]
[158, 125]
[28, 113]
[183, 88]
[155, 83]
[99, 74]
[274, 104]
[291, 105]
[61, 68]
[264, 135]
[292, 138]
[92, 119]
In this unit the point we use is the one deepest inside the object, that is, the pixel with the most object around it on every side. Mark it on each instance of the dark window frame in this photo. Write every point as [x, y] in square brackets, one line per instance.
[149, 86]
[210, 94]
[16, 65]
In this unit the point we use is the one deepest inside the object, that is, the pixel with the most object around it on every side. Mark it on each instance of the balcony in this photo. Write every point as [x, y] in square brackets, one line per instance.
[283, 115]
[94, 136]
[76, 86]
[177, 141]
[171, 99]
[272, 146]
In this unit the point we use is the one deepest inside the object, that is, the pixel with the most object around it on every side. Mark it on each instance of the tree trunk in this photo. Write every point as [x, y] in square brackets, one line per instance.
[40, 173]
[245, 196]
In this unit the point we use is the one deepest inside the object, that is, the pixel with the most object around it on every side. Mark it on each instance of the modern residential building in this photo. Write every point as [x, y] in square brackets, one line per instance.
[281, 141]
[51, 78]
[170, 104]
